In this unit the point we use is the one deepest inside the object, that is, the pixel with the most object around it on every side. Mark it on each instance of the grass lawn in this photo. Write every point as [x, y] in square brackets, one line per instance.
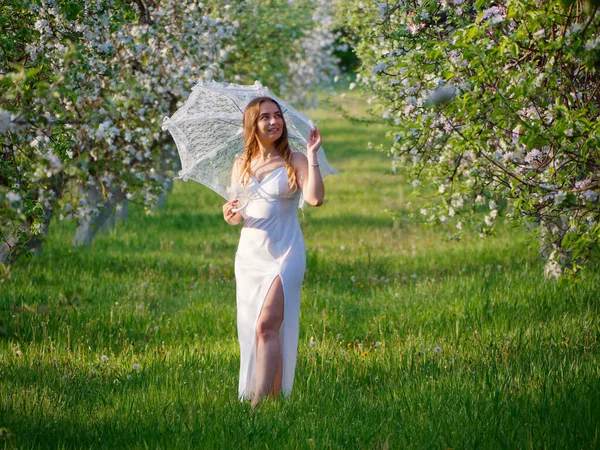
[407, 340]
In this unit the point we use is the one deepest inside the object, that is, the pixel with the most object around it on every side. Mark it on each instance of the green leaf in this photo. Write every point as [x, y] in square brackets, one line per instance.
[72, 10]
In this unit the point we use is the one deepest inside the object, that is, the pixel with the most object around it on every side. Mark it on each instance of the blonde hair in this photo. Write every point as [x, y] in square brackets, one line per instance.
[251, 148]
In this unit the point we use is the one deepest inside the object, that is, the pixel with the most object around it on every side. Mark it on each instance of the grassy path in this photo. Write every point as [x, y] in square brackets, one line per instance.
[407, 340]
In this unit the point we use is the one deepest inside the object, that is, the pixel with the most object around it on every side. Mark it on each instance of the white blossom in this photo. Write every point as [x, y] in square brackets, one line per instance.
[533, 155]
[560, 197]
[13, 197]
[5, 121]
[379, 68]
[590, 196]
[593, 43]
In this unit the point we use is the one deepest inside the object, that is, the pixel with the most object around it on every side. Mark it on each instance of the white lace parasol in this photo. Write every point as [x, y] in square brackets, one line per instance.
[209, 134]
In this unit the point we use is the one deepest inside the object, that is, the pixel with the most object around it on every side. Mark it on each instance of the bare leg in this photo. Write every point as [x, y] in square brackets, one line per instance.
[278, 376]
[268, 348]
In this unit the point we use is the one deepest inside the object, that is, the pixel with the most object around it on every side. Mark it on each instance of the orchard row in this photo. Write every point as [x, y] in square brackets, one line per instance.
[84, 87]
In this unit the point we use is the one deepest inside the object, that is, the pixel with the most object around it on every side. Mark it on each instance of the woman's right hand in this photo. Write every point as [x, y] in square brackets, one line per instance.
[232, 218]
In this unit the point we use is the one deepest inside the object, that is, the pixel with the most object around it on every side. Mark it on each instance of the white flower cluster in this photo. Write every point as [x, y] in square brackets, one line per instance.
[593, 43]
[495, 14]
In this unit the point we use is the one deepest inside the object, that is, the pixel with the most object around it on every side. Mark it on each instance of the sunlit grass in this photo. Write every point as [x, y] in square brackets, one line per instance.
[408, 340]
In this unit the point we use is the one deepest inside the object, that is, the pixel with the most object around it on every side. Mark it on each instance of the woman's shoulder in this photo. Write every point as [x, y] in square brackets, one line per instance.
[238, 163]
[237, 168]
[298, 158]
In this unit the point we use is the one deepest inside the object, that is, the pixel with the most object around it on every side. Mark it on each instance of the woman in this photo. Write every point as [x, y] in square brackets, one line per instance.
[271, 257]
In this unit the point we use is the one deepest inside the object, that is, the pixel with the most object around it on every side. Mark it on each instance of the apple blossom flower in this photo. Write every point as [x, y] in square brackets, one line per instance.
[590, 196]
[13, 197]
[379, 68]
[560, 197]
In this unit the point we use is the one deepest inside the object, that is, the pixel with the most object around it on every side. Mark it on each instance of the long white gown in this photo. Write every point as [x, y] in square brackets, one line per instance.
[271, 245]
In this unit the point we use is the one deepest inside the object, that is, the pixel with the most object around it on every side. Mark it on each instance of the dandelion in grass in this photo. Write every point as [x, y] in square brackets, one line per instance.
[104, 358]
[377, 344]
[136, 367]
[156, 328]
[438, 350]
[343, 352]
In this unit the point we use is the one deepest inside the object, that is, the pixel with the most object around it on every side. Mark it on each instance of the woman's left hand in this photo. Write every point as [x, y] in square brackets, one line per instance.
[314, 141]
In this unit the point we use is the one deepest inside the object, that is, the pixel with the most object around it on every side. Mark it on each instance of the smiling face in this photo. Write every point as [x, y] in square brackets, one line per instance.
[264, 126]
[269, 125]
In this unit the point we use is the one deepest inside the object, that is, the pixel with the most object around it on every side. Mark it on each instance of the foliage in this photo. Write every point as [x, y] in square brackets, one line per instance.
[496, 105]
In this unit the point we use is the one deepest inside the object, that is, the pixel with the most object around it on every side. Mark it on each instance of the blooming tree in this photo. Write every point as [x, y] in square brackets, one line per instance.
[495, 104]
[84, 87]
[288, 46]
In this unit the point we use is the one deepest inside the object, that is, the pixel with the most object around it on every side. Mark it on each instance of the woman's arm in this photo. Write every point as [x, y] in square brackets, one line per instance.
[230, 217]
[307, 171]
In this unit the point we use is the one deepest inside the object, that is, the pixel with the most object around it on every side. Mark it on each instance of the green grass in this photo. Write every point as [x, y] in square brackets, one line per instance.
[419, 342]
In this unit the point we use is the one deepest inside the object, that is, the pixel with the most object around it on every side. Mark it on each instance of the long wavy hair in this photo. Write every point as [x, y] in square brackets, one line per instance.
[250, 123]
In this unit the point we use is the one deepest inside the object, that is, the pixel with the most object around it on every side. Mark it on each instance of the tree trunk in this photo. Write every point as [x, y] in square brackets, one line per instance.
[14, 246]
[162, 199]
[122, 210]
[95, 222]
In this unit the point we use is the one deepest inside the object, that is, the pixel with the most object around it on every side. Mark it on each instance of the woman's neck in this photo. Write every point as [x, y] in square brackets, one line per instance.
[265, 153]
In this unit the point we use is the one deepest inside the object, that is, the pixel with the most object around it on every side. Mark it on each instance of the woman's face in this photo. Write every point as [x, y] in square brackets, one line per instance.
[270, 123]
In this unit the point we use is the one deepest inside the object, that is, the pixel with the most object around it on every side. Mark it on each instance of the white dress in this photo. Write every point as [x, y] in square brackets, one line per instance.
[271, 245]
